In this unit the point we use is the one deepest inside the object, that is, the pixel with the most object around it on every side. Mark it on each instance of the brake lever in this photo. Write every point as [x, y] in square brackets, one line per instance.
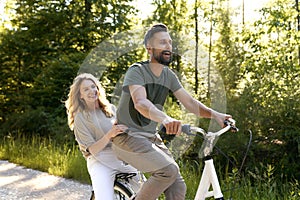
[231, 122]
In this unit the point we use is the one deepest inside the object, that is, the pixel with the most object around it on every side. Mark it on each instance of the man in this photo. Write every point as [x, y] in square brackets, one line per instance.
[145, 88]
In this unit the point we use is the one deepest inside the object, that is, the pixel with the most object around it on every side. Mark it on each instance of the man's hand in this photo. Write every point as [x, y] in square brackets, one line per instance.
[220, 117]
[173, 126]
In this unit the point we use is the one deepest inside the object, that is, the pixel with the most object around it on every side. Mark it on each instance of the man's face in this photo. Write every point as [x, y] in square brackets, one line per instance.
[160, 47]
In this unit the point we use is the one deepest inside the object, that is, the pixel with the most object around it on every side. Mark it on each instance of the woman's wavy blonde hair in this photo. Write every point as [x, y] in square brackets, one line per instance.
[74, 104]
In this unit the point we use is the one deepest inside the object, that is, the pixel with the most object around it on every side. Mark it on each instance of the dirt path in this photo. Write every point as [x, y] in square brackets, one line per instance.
[20, 183]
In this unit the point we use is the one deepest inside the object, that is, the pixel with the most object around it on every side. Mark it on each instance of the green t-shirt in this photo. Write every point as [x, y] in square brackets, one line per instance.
[157, 88]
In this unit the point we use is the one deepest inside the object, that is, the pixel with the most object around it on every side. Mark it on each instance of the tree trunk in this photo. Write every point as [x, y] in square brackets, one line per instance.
[298, 27]
[210, 49]
[196, 50]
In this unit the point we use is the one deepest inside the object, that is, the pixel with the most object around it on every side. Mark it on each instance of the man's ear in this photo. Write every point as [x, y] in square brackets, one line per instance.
[148, 48]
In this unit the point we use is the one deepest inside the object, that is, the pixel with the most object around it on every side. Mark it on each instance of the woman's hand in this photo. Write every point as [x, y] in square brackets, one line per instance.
[116, 130]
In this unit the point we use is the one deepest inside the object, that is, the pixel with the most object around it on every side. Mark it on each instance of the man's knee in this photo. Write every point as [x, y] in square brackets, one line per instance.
[169, 172]
[181, 186]
[176, 191]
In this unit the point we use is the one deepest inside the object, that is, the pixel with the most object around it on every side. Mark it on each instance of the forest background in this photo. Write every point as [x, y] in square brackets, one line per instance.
[248, 69]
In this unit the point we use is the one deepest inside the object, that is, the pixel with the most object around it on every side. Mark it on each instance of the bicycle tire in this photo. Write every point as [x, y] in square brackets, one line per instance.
[120, 192]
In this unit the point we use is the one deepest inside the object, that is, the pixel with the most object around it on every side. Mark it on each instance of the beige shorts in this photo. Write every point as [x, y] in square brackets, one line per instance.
[145, 154]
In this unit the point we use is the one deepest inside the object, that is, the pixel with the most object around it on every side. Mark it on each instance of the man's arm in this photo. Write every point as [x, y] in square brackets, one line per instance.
[191, 104]
[149, 110]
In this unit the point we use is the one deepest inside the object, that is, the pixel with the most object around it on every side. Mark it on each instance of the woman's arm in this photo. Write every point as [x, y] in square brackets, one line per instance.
[86, 139]
[101, 143]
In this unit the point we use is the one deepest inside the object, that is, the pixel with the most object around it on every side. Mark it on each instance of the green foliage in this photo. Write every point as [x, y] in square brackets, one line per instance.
[45, 155]
[227, 51]
[40, 57]
[263, 178]
[67, 161]
[24, 121]
[269, 101]
[175, 14]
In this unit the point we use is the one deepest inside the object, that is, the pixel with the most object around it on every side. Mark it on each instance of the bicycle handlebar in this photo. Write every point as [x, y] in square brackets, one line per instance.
[188, 129]
[209, 137]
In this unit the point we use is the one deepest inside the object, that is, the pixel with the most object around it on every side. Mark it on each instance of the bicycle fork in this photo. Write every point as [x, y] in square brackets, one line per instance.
[209, 177]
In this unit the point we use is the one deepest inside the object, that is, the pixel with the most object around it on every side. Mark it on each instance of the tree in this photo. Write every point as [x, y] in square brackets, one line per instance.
[51, 36]
[175, 15]
[270, 91]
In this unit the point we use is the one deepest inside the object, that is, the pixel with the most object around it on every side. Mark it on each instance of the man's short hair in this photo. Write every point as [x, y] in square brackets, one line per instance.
[154, 29]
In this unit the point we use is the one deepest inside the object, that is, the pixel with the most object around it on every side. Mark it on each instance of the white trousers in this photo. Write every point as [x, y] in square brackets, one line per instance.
[103, 169]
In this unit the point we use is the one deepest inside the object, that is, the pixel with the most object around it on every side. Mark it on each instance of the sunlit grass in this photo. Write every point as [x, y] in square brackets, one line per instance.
[45, 155]
[66, 161]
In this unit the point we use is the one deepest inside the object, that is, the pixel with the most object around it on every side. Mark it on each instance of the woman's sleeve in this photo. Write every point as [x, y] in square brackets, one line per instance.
[83, 135]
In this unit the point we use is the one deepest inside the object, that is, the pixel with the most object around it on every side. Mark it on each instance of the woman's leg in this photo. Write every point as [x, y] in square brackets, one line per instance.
[137, 181]
[102, 180]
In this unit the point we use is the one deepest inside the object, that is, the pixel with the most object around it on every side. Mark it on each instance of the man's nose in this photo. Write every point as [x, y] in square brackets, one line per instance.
[169, 46]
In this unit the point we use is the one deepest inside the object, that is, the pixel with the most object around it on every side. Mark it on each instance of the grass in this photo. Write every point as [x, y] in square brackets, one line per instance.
[67, 161]
[45, 155]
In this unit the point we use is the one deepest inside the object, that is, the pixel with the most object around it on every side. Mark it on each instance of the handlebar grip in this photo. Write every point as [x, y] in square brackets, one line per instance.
[185, 128]
[162, 129]
[231, 122]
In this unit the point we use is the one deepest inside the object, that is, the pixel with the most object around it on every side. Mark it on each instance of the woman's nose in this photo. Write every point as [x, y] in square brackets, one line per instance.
[92, 90]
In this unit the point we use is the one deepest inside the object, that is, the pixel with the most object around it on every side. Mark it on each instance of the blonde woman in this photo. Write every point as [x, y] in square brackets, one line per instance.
[92, 118]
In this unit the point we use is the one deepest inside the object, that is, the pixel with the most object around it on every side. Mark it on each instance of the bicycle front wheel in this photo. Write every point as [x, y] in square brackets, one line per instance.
[121, 192]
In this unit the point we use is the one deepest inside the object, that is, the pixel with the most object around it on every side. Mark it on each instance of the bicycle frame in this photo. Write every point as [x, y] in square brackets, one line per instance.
[209, 176]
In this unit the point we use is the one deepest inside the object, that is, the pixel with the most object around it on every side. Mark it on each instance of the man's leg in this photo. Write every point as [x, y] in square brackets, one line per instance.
[158, 182]
[147, 154]
[177, 190]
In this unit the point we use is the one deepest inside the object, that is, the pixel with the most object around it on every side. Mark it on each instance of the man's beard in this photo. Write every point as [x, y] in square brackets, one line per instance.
[160, 57]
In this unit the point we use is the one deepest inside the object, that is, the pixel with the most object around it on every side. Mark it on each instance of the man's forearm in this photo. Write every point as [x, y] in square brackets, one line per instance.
[204, 111]
[149, 110]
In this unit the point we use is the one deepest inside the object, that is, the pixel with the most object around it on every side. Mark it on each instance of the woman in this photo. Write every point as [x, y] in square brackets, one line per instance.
[92, 118]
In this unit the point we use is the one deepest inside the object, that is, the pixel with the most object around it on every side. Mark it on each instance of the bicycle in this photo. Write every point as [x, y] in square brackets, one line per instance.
[209, 177]
[126, 186]
[126, 189]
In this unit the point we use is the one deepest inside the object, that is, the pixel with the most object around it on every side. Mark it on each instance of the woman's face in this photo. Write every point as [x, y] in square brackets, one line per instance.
[88, 92]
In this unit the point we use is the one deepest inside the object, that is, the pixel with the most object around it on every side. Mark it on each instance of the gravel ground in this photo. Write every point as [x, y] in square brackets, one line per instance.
[20, 183]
